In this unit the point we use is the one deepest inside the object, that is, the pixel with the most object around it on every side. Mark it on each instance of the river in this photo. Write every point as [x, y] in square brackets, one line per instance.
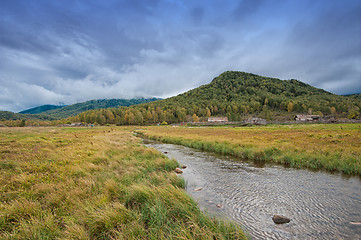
[321, 205]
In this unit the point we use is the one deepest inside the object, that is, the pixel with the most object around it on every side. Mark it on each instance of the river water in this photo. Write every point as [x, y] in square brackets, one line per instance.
[321, 205]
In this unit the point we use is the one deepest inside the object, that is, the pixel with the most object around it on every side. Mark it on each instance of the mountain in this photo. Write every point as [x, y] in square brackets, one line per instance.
[75, 109]
[240, 88]
[52, 112]
[6, 115]
[237, 95]
[40, 109]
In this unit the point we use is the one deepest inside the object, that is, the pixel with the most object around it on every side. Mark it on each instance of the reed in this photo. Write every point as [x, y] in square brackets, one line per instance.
[335, 147]
[95, 183]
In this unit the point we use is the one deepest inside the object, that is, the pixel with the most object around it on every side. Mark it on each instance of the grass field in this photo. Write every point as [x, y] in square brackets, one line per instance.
[334, 147]
[95, 183]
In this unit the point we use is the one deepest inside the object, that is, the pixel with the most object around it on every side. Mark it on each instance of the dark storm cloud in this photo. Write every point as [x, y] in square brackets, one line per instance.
[67, 51]
[321, 49]
[331, 47]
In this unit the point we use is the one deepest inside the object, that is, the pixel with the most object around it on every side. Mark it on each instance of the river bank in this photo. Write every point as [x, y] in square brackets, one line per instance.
[320, 205]
[95, 183]
[335, 147]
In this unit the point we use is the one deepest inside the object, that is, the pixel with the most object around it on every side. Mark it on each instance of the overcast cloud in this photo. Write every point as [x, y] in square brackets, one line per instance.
[62, 52]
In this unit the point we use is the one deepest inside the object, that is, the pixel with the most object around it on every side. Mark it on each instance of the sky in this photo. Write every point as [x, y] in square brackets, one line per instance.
[68, 51]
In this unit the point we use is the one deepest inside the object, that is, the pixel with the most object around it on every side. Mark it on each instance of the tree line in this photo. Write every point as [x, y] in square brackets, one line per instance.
[237, 95]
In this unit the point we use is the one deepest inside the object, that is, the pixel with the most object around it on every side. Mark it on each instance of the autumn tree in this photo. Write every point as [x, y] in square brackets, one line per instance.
[109, 116]
[333, 111]
[130, 118]
[138, 118]
[208, 112]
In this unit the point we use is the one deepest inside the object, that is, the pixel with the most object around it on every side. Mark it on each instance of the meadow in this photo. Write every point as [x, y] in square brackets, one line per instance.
[332, 147]
[95, 183]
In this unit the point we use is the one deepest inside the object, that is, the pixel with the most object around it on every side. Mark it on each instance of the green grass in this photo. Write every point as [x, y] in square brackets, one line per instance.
[330, 147]
[96, 183]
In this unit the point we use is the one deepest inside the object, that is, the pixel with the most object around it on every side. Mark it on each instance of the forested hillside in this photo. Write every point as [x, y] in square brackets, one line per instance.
[236, 95]
[40, 109]
[6, 115]
[74, 109]
[51, 112]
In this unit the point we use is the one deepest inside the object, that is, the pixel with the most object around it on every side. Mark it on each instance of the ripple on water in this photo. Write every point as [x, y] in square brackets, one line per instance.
[320, 205]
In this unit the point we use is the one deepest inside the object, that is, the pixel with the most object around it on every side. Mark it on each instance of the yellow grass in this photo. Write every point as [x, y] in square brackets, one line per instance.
[334, 147]
[94, 183]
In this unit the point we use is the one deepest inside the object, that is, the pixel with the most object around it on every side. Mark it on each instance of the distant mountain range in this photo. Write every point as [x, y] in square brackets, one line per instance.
[53, 112]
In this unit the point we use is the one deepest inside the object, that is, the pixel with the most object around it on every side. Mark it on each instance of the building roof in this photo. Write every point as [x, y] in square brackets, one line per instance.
[217, 119]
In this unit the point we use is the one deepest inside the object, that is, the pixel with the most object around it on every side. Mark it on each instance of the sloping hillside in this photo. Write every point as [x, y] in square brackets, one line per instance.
[40, 109]
[6, 115]
[52, 112]
[236, 95]
[75, 109]
[253, 92]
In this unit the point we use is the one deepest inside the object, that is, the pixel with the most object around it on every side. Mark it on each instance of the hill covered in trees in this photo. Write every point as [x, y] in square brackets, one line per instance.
[53, 112]
[236, 95]
[40, 109]
[6, 115]
[75, 109]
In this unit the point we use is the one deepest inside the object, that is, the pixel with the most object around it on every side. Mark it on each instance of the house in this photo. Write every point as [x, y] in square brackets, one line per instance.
[307, 118]
[217, 119]
[255, 121]
[76, 124]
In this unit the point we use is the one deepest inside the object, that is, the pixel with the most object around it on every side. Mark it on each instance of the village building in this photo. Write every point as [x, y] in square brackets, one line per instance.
[217, 119]
[255, 121]
[307, 118]
[76, 124]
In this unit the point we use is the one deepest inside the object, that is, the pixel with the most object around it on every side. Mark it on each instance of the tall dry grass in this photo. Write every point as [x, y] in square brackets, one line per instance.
[94, 183]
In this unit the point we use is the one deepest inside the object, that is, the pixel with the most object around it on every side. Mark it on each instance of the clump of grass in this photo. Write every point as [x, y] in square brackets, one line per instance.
[75, 183]
[328, 147]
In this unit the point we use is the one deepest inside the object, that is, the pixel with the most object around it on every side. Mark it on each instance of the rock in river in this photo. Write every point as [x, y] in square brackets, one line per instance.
[178, 170]
[278, 219]
[184, 166]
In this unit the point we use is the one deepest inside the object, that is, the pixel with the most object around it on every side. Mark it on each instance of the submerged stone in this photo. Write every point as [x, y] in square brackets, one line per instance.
[279, 219]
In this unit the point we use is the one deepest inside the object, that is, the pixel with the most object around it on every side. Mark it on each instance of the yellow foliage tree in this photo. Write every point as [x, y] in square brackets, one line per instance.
[333, 111]
[208, 112]
[195, 118]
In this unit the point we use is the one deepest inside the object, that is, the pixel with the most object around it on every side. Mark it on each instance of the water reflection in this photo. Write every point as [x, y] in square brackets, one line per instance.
[321, 205]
